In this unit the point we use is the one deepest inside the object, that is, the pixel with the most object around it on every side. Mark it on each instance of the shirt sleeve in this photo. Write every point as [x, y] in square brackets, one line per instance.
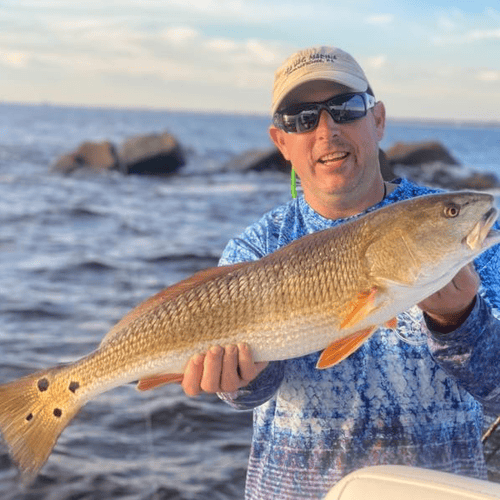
[470, 354]
[259, 391]
[251, 246]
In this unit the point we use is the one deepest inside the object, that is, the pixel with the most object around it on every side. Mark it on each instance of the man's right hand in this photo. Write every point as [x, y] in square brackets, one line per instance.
[221, 369]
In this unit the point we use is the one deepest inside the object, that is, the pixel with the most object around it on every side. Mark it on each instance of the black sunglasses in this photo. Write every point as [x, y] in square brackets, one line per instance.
[343, 108]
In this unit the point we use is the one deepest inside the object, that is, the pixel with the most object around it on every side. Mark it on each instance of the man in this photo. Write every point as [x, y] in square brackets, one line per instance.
[411, 398]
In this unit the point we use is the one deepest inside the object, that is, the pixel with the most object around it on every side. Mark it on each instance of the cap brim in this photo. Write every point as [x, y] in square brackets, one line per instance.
[352, 82]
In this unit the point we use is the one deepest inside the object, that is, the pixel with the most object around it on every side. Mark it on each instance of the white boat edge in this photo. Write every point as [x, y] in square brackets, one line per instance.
[398, 482]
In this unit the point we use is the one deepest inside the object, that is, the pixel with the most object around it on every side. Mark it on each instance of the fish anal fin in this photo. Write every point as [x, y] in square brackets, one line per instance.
[148, 383]
[342, 348]
[360, 308]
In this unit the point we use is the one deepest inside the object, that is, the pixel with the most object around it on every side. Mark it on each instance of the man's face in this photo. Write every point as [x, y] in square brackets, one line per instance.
[334, 161]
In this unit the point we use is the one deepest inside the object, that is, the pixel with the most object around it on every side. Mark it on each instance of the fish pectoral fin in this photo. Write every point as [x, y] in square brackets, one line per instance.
[391, 324]
[148, 383]
[342, 348]
[360, 308]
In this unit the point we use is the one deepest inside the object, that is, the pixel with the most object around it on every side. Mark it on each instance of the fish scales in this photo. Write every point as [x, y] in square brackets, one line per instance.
[327, 291]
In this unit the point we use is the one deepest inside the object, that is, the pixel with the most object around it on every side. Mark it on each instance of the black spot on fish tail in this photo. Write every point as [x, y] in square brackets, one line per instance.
[43, 384]
[28, 426]
[74, 386]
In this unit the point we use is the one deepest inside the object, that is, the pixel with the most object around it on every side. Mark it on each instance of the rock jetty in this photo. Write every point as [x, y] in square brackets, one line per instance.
[153, 154]
[429, 163]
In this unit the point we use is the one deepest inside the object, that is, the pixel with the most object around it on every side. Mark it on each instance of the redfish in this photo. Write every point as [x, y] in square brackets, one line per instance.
[328, 291]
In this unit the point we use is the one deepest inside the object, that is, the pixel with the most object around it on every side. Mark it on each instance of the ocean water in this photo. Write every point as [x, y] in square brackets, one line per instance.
[77, 252]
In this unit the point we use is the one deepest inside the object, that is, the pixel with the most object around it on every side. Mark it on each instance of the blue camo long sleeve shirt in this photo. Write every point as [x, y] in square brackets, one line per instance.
[410, 397]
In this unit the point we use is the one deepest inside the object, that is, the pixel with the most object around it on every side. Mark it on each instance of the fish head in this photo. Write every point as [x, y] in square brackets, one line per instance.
[433, 236]
[448, 223]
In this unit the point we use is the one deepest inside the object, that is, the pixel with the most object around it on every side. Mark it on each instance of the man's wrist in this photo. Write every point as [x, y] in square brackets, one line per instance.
[447, 323]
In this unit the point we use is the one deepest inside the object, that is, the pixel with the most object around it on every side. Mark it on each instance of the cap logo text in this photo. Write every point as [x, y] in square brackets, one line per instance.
[311, 59]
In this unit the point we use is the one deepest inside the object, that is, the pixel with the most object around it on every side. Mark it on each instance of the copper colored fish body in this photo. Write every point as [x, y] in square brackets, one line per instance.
[328, 291]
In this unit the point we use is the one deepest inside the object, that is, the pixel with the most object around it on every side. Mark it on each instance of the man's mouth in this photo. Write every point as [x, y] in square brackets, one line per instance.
[332, 157]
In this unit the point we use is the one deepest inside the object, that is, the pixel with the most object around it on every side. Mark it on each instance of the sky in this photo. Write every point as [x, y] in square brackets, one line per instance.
[424, 59]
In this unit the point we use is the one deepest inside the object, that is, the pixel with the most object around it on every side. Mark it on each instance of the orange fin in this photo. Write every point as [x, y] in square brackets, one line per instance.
[392, 324]
[155, 381]
[361, 307]
[342, 348]
[170, 293]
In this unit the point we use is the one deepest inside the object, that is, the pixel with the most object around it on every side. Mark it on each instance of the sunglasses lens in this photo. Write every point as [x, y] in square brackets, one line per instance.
[348, 111]
[342, 109]
[307, 120]
[297, 122]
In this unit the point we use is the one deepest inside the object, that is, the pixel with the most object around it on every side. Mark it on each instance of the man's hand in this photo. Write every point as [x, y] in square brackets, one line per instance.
[221, 370]
[449, 307]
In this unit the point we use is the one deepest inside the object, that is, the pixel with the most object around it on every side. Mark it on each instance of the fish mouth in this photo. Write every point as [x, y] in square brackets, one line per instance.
[482, 234]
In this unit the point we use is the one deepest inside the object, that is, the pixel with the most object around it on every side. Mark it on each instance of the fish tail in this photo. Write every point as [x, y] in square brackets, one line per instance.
[34, 410]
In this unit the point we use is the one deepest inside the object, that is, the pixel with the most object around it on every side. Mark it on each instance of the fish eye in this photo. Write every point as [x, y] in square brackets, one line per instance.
[451, 210]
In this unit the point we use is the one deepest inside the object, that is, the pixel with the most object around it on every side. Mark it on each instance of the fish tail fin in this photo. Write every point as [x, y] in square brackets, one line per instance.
[34, 410]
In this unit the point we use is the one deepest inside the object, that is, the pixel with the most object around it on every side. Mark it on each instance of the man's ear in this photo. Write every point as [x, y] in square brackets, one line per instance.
[278, 137]
[379, 114]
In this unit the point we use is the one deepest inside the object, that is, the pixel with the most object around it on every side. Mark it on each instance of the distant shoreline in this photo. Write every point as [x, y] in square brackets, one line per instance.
[448, 122]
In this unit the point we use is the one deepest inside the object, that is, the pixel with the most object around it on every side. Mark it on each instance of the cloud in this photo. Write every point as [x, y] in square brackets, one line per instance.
[376, 62]
[181, 35]
[488, 76]
[380, 19]
[260, 52]
[476, 35]
[13, 58]
[455, 28]
[468, 37]
[221, 44]
[493, 13]
[170, 53]
[445, 23]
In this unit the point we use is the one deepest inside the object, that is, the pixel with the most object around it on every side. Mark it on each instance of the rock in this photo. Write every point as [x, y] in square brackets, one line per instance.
[481, 182]
[258, 160]
[477, 181]
[431, 164]
[442, 176]
[155, 154]
[419, 153]
[94, 155]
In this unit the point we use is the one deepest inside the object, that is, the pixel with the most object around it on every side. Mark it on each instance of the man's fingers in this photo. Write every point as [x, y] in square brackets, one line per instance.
[248, 369]
[450, 306]
[192, 375]
[230, 380]
[212, 372]
[245, 363]
[221, 370]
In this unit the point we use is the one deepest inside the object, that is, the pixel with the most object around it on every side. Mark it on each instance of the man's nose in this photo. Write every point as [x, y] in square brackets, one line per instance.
[326, 126]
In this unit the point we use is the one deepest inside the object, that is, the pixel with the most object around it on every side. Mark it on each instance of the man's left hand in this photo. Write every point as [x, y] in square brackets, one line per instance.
[450, 307]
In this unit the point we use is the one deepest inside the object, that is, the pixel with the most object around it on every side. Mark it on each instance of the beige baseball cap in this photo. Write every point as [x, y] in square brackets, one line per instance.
[317, 63]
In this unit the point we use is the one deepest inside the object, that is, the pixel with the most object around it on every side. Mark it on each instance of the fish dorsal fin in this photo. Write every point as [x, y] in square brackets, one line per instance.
[342, 348]
[171, 293]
